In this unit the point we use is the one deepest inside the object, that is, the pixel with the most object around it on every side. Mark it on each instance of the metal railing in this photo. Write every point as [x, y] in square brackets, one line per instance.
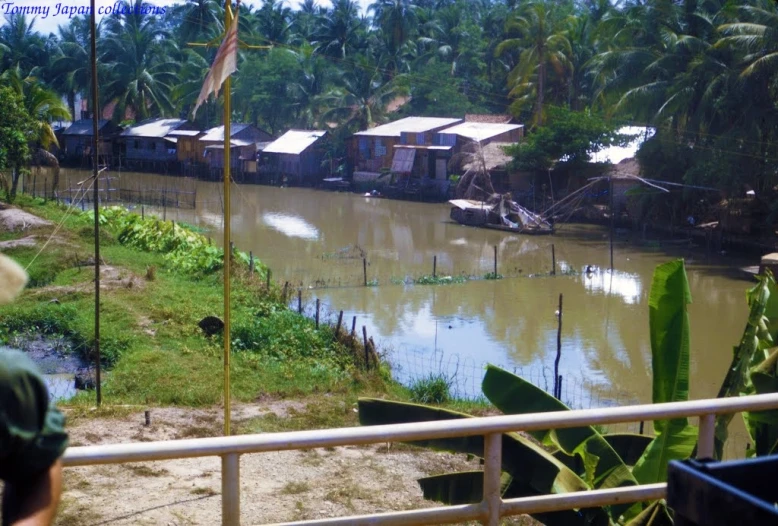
[489, 510]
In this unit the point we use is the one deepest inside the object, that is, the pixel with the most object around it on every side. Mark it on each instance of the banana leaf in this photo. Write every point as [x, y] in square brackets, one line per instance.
[521, 457]
[757, 338]
[629, 446]
[464, 487]
[602, 466]
[763, 425]
[656, 514]
[669, 333]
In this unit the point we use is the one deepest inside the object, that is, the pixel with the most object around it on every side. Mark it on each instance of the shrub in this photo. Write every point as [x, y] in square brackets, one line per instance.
[434, 389]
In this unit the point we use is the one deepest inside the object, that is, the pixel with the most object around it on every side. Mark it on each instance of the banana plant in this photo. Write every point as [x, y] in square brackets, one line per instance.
[753, 369]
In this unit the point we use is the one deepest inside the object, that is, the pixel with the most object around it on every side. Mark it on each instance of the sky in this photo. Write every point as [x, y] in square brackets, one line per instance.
[56, 17]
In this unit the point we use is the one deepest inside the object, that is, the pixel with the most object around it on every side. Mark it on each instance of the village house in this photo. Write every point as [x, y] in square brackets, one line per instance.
[295, 158]
[244, 140]
[76, 144]
[148, 144]
[372, 151]
[189, 152]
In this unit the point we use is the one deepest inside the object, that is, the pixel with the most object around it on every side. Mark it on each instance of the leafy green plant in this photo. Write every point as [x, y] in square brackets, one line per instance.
[597, 461]
[439, 280]
[432, 389]
[492, 275]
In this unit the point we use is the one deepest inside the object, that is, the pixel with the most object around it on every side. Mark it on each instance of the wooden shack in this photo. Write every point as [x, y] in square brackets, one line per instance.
[149, 146]
[295, 157]
[243, 145]
[76, 144]
[371, 152]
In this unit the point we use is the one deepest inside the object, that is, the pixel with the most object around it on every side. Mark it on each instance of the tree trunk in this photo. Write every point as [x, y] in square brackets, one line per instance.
[541, 87]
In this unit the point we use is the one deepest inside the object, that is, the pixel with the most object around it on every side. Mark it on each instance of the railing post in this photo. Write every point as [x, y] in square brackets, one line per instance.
[492, 500]
[231, 489]
[705, 441]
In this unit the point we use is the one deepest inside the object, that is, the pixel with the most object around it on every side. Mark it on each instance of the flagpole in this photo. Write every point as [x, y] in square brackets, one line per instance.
[227, 249]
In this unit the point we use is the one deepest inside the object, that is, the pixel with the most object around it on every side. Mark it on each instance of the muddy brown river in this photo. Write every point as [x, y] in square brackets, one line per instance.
[316, 239]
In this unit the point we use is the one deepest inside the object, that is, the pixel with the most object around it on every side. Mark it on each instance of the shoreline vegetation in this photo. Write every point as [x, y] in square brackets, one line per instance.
[159, 280]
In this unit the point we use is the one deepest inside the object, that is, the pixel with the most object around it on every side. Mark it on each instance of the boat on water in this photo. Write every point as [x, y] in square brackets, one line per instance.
[499, 212]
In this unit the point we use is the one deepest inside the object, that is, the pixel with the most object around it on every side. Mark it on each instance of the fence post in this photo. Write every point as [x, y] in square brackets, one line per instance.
[251, 263]
[495, 261]
[286, 292]
[367, 349]
[553, 260]
[230, 489]
[340, 321]
[267, 280]
[353, 327]
[705, 442]
[364, 270]
[299, 301]
[318, 304]
[492, 472]
[45, 188]
[143, 216]
[434, 266]
[558, 349]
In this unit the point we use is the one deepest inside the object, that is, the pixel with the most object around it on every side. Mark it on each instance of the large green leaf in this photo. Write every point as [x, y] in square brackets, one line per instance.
[763, 425]
[629, 446]
[521, 458]
[463, 487]
[603, 467]
[669, 332]
[655, 514]
[752, 349]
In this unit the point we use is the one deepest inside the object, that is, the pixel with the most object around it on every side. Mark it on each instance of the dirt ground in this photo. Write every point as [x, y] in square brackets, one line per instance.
[275, 487]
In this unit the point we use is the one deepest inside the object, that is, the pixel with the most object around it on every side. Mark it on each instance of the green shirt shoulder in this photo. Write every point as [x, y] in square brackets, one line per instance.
[32, 431]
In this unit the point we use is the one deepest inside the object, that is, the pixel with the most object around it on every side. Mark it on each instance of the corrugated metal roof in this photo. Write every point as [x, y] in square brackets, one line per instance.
[483, 117]
[184, 133]
[234, 143]
[465, 204]
[217, 134]
[480, 131]
[153, 128]
[294, 142]
[423, 147]
[83, 127]
[402, 162]
[408, 124]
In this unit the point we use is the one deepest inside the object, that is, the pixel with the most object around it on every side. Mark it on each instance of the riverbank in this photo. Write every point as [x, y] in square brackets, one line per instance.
[152, 348]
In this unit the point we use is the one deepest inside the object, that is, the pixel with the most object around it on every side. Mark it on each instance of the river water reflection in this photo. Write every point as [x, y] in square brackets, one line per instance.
[309, 237]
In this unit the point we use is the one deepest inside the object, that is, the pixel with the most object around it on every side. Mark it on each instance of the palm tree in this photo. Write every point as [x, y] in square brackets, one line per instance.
[360, 100]
[72, 74]
[42, 105]
[21, 45]
[541, 37]
[197, 19]
[397, 19]
[338, 32]
[143, 75]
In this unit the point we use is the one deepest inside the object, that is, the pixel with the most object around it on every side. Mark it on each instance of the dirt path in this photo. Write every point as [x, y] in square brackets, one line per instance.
[275, 487]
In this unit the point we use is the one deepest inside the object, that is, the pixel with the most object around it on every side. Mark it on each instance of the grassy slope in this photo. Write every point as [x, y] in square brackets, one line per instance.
[149, 333]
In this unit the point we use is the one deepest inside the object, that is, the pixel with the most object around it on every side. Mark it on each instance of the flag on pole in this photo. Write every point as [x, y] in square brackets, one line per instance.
[224, 65]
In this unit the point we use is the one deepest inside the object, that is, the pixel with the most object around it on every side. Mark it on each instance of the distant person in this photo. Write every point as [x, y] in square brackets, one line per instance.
[32, 435]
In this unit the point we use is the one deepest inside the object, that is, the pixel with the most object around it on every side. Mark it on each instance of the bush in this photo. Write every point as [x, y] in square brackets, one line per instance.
[434, 389]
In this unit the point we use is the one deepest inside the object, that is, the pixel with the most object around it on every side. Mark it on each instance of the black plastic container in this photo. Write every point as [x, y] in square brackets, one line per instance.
[735, 493]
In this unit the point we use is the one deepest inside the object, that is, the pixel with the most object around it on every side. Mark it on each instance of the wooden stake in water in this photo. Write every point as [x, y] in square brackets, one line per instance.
[434, 266]
[318, 305]
[495, 261]
[557, 393]
[367, 349]
[364, 270]
[299, 301]
[553, 260]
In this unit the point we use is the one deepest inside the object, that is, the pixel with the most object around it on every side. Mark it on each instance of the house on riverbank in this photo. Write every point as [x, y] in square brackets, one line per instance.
[296, 157]
[244, 139]
[76, 147]
[148, 145]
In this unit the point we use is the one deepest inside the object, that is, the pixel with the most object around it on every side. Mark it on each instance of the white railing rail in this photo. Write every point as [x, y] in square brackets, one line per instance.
[489, 510]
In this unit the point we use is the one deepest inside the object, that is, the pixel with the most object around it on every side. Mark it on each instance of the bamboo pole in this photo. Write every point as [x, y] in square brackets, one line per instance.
[95, 142]
[227, 216]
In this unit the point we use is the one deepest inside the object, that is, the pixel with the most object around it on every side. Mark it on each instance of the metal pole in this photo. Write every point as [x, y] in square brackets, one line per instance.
[613, 218]
[230, 489]
[557, 389]
[227, 133]
[705, 441]
[492, 501]
[95, 117]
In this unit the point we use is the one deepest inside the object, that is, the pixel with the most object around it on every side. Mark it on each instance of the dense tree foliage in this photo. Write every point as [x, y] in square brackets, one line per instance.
[702, 73]
[16, 130]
